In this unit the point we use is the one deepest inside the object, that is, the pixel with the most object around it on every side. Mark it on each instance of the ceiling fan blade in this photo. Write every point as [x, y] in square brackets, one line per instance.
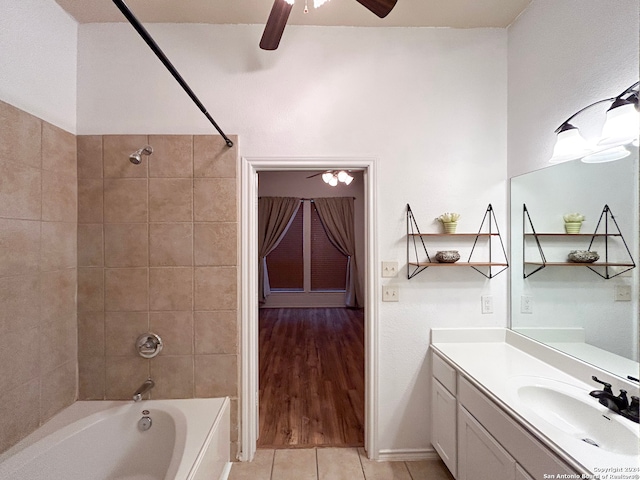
[275, 25]
[316, 174]
[380, 7]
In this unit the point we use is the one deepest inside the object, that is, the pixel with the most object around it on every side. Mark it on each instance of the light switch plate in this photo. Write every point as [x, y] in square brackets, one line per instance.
[487, 304]
[389, 294]
[623, 293]
[526, 304]
[389, 269]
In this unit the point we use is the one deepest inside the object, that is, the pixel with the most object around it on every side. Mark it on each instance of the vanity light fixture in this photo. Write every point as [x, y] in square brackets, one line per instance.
[620, 128]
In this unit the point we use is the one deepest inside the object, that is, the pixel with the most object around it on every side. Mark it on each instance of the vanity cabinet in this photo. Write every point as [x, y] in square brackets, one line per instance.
[477, 439]
[521, 474]
[443, 421]
[480, 456]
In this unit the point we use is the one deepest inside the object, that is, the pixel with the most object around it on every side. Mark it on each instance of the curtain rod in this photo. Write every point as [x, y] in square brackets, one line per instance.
[135, 23]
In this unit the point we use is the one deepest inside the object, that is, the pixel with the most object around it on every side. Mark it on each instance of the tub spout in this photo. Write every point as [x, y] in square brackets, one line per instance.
[144, 388]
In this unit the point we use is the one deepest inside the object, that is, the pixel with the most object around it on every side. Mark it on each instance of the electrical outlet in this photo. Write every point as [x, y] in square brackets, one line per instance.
[487, 303]
[526, 304]
[389, 269]
[623, 293]
[389, 294]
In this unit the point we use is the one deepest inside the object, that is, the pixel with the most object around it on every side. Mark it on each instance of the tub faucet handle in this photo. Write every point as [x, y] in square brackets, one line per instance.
[149, 345]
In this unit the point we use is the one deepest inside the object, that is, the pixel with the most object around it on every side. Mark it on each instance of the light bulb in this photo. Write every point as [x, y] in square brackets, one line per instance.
[621, 126]
[334, 181]
[342, 175]
[570, 145]
[327, 176]
[348, 180]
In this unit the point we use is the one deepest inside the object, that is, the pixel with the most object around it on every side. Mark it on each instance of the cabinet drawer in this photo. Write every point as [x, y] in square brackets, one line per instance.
[445, 373]
[535, 458]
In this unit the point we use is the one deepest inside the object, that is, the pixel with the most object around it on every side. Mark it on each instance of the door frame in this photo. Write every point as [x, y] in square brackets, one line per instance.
[249, 395]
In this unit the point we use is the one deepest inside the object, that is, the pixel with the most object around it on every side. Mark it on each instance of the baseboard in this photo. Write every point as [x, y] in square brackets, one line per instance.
[227, 470]
[409, 455]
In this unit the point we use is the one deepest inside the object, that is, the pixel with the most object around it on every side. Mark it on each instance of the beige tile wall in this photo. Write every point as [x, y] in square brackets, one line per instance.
[158, 251]
[38, 221]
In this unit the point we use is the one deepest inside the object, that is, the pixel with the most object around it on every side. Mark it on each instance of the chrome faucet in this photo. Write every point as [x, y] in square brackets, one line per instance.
[144, 388]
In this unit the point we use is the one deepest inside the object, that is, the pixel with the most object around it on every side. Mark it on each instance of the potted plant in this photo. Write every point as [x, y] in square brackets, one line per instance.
[450, 221]
[573, 222]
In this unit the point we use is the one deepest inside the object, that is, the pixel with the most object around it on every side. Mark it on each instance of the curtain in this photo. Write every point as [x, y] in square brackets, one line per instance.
[336, 215]
[275, 214]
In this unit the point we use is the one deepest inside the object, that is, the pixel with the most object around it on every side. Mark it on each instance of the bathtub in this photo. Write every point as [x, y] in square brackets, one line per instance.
[102, 440]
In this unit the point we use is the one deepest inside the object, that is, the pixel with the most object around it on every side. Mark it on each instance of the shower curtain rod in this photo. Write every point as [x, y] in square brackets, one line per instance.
[135, 23]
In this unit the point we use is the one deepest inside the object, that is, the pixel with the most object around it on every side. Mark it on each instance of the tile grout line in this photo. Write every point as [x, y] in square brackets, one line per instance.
[408, 470]
[273, 462]
[364, 475]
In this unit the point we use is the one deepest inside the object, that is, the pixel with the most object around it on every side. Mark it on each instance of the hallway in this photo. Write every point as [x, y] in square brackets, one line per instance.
[311, 377]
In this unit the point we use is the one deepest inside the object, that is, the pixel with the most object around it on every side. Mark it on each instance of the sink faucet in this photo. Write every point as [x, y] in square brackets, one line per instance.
[144, 388]
[619, 404]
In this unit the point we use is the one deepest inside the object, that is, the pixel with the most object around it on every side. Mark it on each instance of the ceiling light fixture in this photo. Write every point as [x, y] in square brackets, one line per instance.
[333, 177]
[316, 4]
[620, 128]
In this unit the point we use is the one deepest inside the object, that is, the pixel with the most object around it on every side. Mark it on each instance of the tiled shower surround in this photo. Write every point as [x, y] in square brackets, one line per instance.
[147, 247]
[158, 251]
[38, 210]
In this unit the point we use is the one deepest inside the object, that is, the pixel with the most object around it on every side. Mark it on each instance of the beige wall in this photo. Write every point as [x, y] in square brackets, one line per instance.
[38, 219]
[157, 251]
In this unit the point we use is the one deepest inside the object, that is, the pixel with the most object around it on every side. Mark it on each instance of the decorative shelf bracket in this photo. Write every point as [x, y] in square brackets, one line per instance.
[416, 245]
[606, 229]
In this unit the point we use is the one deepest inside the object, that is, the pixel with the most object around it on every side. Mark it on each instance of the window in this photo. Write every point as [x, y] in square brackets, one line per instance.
[306, 260]
[328, 265]
[285, 264]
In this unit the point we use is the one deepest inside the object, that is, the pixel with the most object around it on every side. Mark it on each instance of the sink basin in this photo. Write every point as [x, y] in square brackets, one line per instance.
[573, 413]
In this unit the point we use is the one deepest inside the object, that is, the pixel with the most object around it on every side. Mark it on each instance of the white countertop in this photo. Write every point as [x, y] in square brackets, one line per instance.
[498, 360]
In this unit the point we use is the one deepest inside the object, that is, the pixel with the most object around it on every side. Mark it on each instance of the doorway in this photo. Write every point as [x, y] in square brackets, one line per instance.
[249, 306]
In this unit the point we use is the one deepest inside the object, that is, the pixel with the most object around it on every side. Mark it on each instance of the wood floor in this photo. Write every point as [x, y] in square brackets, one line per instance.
[311, 377]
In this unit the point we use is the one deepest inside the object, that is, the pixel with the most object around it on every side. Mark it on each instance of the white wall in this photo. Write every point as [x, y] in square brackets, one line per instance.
[564, 55]
[38, 53]
[429, 104]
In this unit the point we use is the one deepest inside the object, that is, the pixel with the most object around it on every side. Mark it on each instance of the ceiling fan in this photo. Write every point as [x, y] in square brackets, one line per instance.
[282, 8]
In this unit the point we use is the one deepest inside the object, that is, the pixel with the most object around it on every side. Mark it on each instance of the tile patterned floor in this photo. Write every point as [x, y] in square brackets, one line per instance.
[332, 464]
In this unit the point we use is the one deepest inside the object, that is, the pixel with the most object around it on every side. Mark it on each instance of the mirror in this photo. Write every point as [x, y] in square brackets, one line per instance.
[571, 307]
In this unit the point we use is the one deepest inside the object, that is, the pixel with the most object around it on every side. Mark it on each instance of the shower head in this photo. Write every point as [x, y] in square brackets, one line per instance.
[136, 157]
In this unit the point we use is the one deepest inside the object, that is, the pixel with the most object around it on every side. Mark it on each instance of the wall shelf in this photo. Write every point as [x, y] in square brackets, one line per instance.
[417, 243]
[601, 268]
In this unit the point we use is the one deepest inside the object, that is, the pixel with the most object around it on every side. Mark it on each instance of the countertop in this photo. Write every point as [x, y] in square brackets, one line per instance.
[498, 361]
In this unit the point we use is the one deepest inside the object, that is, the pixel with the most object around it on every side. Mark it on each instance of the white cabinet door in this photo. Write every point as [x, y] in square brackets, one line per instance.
[443, 425]
[480, 456]
[521, 474]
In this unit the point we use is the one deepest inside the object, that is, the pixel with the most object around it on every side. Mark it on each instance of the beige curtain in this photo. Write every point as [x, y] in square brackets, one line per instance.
[275, 214]
[336, 215]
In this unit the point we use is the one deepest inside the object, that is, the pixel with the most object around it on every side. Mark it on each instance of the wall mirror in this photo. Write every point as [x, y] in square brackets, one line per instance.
[569, 307]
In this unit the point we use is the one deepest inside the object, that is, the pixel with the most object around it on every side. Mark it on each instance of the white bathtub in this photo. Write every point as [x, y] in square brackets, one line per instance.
[188, 440]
